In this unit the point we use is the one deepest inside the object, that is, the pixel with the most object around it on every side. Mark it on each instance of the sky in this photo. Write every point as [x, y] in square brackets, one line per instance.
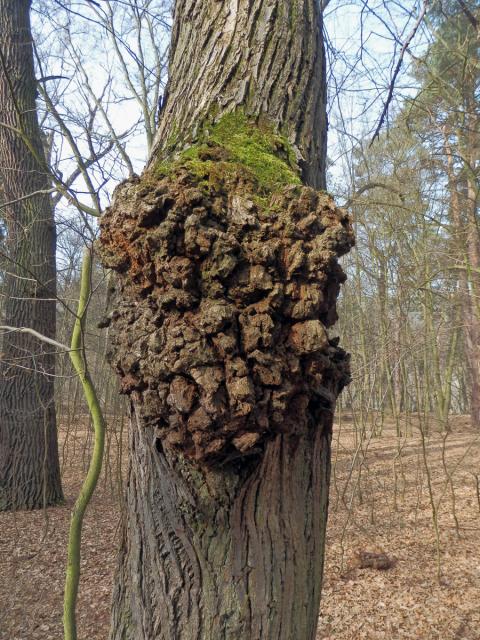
[363, 41]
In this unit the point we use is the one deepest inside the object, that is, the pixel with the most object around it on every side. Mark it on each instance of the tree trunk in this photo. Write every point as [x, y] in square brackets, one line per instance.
[467, 249]
[473, 257]
[29, 466]
[227, 277]
[265, 56]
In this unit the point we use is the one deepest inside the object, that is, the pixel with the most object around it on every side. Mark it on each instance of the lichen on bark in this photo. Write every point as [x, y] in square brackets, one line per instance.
[227, 282]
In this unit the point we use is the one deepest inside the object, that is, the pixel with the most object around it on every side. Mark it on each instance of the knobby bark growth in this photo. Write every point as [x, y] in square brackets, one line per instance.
[227, 268]
[29, 466]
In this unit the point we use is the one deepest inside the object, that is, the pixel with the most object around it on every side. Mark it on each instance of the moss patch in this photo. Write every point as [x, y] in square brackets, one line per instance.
[236, 147]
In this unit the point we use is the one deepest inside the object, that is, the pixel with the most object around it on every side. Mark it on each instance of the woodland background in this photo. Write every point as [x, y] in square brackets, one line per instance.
[406, 479]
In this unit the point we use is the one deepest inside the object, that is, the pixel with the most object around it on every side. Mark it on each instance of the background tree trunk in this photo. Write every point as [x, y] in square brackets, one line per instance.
[463, 210]
[29, 466]
[472, 317]
[227, 362]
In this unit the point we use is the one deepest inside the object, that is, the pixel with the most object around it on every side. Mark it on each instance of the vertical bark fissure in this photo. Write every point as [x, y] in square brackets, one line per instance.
[227, 280]
[212, 77]
[29, 467]
[265, 566]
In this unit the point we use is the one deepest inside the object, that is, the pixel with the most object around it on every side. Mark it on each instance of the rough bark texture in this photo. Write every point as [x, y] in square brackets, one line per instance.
[29, 467]
[227, 282]
[220, 329]
[234, 552]
[463, 210]
[265, 56]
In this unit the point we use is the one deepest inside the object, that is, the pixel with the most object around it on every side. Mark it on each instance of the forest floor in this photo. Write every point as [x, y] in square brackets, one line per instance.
[380, 503]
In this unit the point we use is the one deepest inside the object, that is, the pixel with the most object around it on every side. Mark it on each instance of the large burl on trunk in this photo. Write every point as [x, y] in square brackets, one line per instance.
[226, 256]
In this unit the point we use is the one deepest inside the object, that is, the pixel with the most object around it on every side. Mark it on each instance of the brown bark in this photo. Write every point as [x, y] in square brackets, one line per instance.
[265, 56]
[463, 209]
[29, 467]
[473, 327]
[230, 553]
[226, 285]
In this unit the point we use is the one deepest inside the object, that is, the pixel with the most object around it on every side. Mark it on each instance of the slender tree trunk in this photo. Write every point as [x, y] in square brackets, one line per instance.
[467, 249]
[29, 468]
[227, 279]
[473, 329]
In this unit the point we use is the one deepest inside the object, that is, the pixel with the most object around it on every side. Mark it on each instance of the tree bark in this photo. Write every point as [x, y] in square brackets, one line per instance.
[29, 465]
[463, 210]
[231, 553]
[473, 314]
[265, 56]
[227, 281]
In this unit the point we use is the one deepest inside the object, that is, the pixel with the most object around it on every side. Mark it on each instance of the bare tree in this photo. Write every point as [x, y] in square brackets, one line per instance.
[228, 278]
[29, 467]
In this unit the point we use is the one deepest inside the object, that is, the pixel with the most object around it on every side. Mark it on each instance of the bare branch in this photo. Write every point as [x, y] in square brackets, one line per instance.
[472, 19]
[367, 187]
[398, 66]
[36, 334]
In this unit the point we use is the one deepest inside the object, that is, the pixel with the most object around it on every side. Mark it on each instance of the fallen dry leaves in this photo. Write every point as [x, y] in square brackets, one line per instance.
[33, 557]
[380, 504]
[409, 600]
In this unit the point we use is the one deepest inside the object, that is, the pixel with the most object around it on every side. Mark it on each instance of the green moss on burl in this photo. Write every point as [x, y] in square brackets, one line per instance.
[234, 146]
